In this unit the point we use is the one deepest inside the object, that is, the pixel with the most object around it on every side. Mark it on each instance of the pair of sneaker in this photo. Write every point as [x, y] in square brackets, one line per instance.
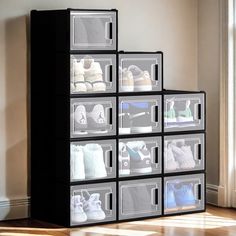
[183, 115]
[134, 157]
[86, 207]
[179, 195]
[135, 117]
[87, 76]
[178, 157]
[87, 162]
[134, 79]
[93, 120]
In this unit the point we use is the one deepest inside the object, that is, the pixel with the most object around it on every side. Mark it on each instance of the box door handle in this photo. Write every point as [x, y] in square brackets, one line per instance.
[199, 106]
[110, 116]
[110, 30]
[156, 72]
[110, 159]
[109, 201]
[110, 73]
[156, 155]
[199, 151]
[155, 196]
[156, 114]
[199, 191]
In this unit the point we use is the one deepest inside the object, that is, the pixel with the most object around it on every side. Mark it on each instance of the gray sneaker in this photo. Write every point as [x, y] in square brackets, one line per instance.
[140, 157]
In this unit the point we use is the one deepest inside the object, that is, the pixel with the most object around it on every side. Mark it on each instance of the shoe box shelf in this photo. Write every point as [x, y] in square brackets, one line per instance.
[108, 143]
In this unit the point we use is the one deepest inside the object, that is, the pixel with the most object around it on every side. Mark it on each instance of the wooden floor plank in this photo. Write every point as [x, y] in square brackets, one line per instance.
[215, 221]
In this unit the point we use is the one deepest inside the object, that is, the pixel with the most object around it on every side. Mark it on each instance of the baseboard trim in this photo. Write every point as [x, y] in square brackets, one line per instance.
[212, 194]
[15, 208]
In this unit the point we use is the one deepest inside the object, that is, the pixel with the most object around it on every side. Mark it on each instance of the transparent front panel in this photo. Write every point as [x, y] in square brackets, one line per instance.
[93, 30]
[139, 198]
[93, 203]
[184, 153]
[139, 114]
[140, 72]
[93, 160]
[184, 112]
[184, 193]
[140, 156]
[93, 117]
[93, 73]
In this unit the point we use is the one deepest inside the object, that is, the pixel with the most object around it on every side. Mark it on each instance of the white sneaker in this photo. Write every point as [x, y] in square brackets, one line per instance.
[124, 160]
[184, 156]
[97, 120]
[126, 80]
[78, 77]
[80, 120]
[93, 206]
[77, 213]
[77, 162]
[170, 163]
[93, 75]
[94, 162]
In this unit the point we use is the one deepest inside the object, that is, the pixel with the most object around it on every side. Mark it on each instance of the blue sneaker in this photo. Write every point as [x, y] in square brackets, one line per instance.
[184, 195]
[170, 197]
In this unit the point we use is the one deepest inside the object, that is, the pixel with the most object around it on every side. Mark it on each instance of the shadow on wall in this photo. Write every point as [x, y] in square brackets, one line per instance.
[16, 115]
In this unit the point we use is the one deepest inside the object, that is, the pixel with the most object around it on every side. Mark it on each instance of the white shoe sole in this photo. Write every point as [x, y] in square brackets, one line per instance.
[124, 130]
[143, 88]
[143, 170]
[79, 219]
[98, 131]
[126, 88]
[74, 178]
[147, 129]
[96, 176]
[182, 119]
[80, 132]
[124, 172]
[169, 120]
[92, 217]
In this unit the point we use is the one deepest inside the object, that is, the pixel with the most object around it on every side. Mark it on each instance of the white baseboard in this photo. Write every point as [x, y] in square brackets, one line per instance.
[212, 194]
[16, 208]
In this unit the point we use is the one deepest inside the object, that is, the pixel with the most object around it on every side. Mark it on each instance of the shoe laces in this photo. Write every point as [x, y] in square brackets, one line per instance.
[93, 204]
[100, 118]
[78, 203]
[82, 120]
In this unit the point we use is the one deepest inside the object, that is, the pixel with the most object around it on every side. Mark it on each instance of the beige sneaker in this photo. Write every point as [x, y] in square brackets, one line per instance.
[126, 80]
[142, 80]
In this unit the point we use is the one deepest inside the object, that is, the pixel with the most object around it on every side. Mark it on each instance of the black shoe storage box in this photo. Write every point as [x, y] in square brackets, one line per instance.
[108, 143]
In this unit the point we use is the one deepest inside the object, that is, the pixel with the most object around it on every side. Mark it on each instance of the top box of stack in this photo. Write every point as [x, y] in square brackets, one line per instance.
[77, 30]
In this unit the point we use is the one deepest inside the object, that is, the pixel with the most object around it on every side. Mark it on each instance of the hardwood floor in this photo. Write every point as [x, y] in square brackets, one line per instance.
[215, 221]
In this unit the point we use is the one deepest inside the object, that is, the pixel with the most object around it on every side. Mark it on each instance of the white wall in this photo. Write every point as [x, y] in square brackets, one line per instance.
[209, 78]
[167, 25]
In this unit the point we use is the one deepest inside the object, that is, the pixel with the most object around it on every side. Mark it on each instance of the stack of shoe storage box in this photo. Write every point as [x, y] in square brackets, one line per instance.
[108, 143]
